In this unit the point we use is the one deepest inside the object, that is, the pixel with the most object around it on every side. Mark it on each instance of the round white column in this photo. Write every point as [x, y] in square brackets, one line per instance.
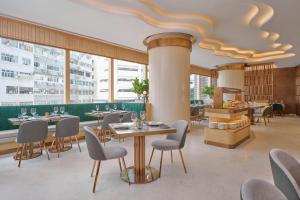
[169, 84]
[232, 78]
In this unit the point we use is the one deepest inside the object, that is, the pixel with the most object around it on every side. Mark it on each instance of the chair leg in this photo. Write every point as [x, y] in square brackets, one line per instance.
[96, 177]
[77, 143]
[26, 151]
[41, 147]
[71, 143]
[18, 149]
[58, 146]
[20, 158]
[171, 156]
[44, 144]
[182, 161]
[120, 165]
[265, 121]
[151, 157]
[268, 119]
[94, 164]
[51, 147]
[125, 167]
[161, 159]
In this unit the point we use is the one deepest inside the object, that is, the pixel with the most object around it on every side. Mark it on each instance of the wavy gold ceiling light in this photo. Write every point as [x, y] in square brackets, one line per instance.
[166, 13]
[275, 57]
[254, 17]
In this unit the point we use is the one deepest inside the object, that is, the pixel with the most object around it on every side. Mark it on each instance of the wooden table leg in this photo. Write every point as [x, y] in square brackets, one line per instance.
[140, 173]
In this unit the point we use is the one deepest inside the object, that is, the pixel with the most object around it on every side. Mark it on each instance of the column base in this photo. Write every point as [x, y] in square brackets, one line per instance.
[151, 174]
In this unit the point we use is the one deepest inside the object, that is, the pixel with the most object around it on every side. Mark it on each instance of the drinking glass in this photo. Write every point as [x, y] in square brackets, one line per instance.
[133, 116]
[55, 109]
[97, 107]
[142, 115]
[123, 106]
[33, 111]
[62, 110]
[23, 111]
[115, 107]
[107, 107]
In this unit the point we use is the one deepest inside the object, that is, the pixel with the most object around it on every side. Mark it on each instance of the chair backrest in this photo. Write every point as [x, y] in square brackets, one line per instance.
[256, 189]
[93, 144]
[127, 117]
[277, 107]
[286, 173]
[268, 111]
[181, 127]
[195, 111]
[108, 119]
[67, 127]
[32, 131]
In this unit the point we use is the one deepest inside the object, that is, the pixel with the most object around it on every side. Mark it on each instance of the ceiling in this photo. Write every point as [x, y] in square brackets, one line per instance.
[226, 31]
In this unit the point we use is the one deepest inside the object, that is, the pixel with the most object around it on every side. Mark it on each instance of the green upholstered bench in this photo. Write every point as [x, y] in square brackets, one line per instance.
[73, 109]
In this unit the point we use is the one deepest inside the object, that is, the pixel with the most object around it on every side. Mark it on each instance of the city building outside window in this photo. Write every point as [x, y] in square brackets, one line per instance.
[124, 73]
[40, 82]
[26, 61]
[197, 83]
[89, 78]
[9, 57]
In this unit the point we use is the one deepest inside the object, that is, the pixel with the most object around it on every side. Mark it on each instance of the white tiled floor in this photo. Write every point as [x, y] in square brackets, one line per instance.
[213, 173]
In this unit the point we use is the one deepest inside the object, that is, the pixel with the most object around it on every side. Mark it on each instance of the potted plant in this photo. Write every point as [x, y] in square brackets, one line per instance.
[209, 91]
[141, 88]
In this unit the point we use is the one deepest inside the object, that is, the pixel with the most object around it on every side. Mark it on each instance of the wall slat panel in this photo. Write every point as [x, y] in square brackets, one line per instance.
[259, 82]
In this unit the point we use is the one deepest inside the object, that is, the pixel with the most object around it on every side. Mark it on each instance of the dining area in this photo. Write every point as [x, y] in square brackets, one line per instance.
[149, 100]
[57, 131]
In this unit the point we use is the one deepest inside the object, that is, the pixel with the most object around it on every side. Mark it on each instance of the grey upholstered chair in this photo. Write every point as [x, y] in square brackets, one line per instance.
[66, 128]
[265, 114]
[30, 132]
[172, 142]
[99, 153]
[286, 173]
[256, 189]
[103, 131]
[126, 117]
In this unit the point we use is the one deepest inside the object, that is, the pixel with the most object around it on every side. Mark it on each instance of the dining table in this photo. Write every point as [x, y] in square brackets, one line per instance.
[30, 153]
[139, 173]
[100, 114]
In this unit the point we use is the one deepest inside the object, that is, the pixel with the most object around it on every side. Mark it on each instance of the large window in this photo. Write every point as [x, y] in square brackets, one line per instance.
[124, 73]
[30, 74]
[197, 83]
[89, 78]
[34, 74]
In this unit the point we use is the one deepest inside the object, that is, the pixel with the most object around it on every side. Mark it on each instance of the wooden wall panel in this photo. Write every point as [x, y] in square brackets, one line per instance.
[29, 32]
[298, 90]
[285, 87]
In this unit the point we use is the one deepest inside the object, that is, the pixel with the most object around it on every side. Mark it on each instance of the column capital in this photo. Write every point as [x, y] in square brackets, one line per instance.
[169, 39]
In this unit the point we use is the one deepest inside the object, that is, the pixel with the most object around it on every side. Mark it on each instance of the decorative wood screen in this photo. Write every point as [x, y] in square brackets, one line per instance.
[259, 82]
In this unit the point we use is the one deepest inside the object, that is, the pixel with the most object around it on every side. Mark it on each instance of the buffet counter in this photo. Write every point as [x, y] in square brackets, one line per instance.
[227, 127]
